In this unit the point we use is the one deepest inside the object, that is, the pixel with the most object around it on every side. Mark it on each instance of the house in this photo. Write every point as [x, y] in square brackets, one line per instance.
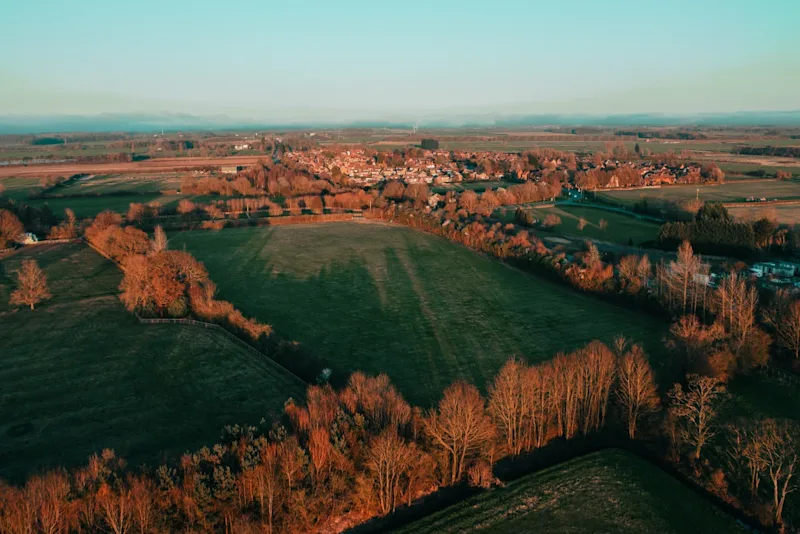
[27, 238]
[231, 169]
[243, 146]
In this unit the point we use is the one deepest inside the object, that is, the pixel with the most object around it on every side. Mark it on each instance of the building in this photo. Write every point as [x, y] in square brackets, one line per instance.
[429, 144]
[27, 238]
[231, 169]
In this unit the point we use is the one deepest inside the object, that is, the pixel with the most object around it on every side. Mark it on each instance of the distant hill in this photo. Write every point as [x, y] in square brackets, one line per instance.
[134, 122]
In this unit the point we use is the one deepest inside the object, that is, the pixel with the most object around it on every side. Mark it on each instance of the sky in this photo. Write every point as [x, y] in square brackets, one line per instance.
[335, 60]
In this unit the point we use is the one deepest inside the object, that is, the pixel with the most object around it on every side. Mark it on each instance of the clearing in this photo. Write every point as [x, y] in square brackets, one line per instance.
[607, 491]
[620, 228]
[81, 372]
[378, 298]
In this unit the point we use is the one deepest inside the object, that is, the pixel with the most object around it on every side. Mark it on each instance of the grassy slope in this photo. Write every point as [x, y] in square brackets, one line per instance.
[79, 374]
[608, 491]
[389, 299]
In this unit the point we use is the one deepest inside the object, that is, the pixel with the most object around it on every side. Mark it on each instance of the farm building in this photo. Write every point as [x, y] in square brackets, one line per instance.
[27, 238]
[231, 169]
[778, 269]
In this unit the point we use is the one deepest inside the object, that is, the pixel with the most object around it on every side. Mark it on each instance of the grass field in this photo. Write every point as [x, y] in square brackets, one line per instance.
[782, 213]
[115, 183]
[608, 491]
[79, 374]
[729, 192]
[621, 228]
[388, 299]
[91, 206]
[19, 188]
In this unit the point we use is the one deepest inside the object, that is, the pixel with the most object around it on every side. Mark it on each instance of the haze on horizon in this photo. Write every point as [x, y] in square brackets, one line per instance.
[359, 60]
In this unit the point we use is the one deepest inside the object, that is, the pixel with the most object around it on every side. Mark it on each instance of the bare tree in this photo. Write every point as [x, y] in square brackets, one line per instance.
[507, 404]
[10, 228]
[160, 241]
[784, 317]
[735, 304]
[459, 426]
[636, 390]
[680, 281]
[643, 270]
[389, 458]
[696, 408]
[32, 285]
[780, 456]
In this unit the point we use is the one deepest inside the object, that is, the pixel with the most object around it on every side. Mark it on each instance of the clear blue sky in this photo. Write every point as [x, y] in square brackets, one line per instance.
[357, 59]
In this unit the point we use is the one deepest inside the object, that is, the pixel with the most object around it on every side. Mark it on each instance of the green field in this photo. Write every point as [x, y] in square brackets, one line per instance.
[607, 491]
[621, 228]
[19, 188]
[729, 192]
[79, 374]
[116, 183]
[91, 206]
[388, 299]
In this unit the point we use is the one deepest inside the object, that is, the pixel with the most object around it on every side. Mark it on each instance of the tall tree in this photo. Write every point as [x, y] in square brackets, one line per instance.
[636, 390]
[460, 427]
[735, 304]
[784, 317]
[31, 285]
[696, 408]
[389, 458]
[507, 404]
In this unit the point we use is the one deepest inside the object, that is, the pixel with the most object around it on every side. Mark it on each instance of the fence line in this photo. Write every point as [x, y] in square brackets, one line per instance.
[235, 338]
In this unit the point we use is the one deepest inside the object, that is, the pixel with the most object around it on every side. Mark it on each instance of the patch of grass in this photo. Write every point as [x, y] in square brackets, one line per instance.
[19, 188]
[79, 374]
[607, 491]
[90, 206]
[620, 228]
[417, 307]
[115, 183]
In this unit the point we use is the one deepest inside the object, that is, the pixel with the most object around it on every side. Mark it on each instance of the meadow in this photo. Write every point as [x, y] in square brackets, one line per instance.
[115, 184]
[728, 192]
[90, 206]
[788, 214]
[80, 374]
[387, 299]
[607, 491]
[620, 227]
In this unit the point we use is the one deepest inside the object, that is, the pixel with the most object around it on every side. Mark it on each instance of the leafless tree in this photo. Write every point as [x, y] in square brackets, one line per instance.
[784, 317]
[460, 427]
[10, 228]
[636, 390]
[31, 285]
[696, 409]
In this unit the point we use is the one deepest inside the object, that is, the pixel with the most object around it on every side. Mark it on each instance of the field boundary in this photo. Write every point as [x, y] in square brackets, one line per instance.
[775, 202]
[204, 324]
[214, 326]
[555, 454]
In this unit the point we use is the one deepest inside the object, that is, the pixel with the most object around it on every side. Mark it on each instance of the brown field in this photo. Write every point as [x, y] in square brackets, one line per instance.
[782, 213]
[150, 165]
